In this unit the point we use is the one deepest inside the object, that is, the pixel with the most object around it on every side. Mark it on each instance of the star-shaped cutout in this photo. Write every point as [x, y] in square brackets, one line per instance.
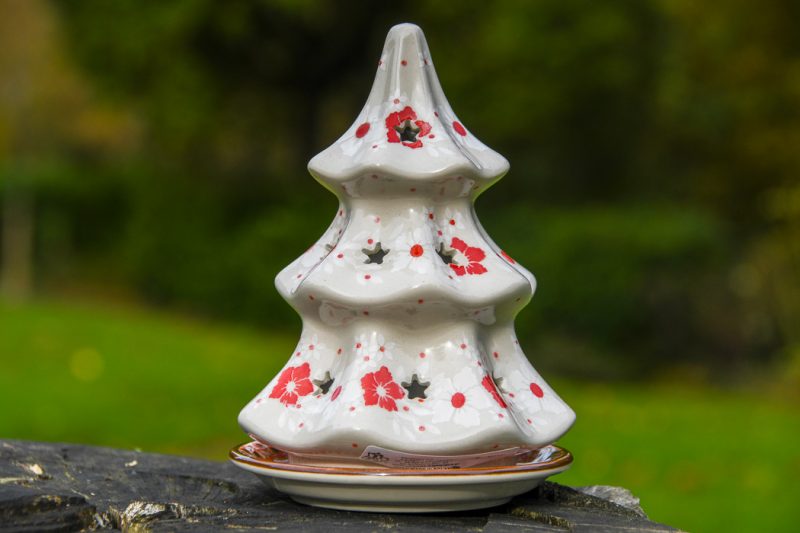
[408, 132]
[416, 388]
[325, 383]
[376, 254]
[446, 255]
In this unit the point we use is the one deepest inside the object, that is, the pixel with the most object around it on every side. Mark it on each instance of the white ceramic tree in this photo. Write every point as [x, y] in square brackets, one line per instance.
[408, 339]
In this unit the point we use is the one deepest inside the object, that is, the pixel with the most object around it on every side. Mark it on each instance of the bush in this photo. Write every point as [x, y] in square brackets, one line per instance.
[619, 282]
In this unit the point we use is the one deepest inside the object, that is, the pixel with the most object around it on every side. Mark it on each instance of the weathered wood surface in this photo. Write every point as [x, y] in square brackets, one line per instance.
[66, 487]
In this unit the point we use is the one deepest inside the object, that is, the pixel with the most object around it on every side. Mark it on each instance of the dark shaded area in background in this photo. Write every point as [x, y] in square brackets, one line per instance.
[654, 189]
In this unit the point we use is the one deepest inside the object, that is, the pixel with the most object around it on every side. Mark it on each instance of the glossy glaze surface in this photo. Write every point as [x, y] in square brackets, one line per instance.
[408, 340]
[381, 490]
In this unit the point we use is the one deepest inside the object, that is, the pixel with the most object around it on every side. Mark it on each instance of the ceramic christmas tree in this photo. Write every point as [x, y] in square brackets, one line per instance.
[408, 347]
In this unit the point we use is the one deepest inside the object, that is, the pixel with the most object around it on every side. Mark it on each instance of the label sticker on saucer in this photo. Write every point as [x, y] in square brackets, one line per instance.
[397, 459]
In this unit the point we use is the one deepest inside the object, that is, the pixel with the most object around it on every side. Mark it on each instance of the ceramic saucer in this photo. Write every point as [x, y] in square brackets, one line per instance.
[378, 489]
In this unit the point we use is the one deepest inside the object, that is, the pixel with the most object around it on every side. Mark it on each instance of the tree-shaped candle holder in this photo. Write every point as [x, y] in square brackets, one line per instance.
[408, 363]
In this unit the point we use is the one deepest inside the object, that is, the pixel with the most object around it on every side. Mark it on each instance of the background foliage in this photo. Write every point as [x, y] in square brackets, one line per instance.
[155, 152]
[653, 147]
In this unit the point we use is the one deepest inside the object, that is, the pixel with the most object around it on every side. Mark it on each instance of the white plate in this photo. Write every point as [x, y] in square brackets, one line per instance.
[376, 489]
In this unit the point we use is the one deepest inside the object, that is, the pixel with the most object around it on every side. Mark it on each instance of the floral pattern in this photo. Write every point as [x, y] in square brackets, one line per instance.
[377, 244]
[415, 251]
[373, 347]
[380, 389]
[310, 398]
[460, 400]
[533, 394]
[293, 383]
[310, 347]
[406, 117]
[417, 268]
[468, 261]
[451, 222]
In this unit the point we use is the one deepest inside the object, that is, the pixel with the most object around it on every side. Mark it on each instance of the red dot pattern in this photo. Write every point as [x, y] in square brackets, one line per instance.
[458, 400]
[362, 130]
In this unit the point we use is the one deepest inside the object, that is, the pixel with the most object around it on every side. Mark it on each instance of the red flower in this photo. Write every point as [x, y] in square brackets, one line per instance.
[398, 119]
[488, 384]
[293, 383]
[380, 389]
[474, 257]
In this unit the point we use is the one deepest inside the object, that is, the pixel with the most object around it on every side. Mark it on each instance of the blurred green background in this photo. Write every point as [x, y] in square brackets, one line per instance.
[153, 183]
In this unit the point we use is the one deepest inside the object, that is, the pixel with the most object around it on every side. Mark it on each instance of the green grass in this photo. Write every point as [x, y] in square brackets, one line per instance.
[700, 459]
[129, 378]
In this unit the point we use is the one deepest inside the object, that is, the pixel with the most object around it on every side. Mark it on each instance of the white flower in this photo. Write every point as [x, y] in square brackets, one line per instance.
[533, 394]
[398, 100]
[415, 250]
[310, 347]
[413, 416]
[407, 422]
[335, 260]
[460, 399]
[349, 253]
[374, 347]
[429, 214]
[466, 347]
[467, 139]
[450, 222]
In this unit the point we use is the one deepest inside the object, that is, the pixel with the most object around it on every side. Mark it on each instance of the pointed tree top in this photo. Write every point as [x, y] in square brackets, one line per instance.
[407, 128]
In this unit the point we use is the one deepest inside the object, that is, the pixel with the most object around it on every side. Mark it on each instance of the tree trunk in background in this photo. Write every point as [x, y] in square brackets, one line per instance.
[16, 271]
